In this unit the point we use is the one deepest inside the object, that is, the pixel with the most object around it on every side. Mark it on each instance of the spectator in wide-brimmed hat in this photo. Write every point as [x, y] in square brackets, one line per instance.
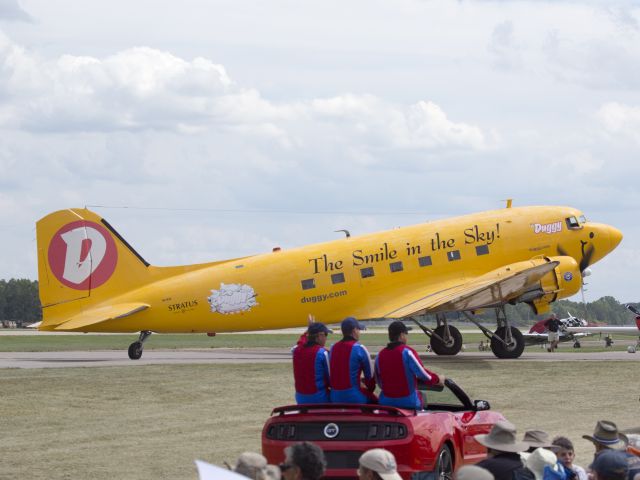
[607, 436]
[538, 439]
[503, 460]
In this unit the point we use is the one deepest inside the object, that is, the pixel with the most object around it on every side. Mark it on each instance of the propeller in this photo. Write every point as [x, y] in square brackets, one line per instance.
[585, 261]
[586, 255]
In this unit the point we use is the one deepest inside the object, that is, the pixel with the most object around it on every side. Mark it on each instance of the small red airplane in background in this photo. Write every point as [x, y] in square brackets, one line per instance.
[609, 329]
[539, 335]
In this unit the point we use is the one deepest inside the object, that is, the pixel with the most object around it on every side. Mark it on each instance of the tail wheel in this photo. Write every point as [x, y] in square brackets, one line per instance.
[444, 464]
[512, 349]
[135, 350]
[449, 345]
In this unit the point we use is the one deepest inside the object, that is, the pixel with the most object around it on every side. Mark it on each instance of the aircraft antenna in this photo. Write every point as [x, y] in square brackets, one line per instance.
[346, 232]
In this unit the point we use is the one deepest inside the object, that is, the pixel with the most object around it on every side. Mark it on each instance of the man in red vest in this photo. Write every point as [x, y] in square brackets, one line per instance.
[351, 370]
[398, 369]
[311, 366]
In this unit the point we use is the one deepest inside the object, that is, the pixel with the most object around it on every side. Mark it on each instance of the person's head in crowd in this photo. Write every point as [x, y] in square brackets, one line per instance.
[565, 451]
[253, 465]
[303, 461]
[351, 328]
[634, 444]
[544, 465]
[378, 464]
[501, 439]
[473, 472]
[538, 439]
[398, 332]
[610, 465]
[607, 437]
[317, 333]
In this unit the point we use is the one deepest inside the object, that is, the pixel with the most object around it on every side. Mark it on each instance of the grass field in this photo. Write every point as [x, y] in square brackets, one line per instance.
[65, 342]
[151, 422]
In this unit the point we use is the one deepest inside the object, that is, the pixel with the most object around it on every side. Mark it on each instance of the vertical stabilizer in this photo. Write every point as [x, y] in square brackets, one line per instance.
[82, 261]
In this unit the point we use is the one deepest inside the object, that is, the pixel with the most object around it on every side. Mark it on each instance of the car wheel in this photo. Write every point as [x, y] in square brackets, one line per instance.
[444, 465]
[452, 347]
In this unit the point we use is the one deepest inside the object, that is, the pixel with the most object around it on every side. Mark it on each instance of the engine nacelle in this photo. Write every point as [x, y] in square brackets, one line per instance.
[563, 281]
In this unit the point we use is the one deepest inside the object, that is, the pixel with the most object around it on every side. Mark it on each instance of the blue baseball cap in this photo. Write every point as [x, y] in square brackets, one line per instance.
[318, 327]
[349, 324]
[611, 463]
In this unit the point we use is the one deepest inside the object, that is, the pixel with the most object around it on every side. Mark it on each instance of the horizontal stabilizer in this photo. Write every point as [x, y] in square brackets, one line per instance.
[102, 314]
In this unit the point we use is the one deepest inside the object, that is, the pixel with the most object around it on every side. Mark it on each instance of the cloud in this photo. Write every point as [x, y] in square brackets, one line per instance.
[504, 48]
[600, 60]
[148, 89]
[621, 120]
[11, 10]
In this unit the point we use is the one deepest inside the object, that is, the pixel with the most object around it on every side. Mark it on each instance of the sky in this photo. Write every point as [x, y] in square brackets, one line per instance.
[205, 130]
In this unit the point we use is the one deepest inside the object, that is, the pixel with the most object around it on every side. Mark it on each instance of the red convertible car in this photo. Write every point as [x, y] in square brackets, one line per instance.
[428, 444]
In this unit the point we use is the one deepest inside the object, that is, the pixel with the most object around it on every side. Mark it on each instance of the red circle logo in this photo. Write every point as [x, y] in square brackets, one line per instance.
[82, 255]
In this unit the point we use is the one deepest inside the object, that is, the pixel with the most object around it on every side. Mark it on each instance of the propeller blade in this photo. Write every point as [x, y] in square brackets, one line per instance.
[586, 258]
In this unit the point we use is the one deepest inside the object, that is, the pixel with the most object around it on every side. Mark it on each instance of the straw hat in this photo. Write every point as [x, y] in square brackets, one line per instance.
[606, 435]
[502, 438]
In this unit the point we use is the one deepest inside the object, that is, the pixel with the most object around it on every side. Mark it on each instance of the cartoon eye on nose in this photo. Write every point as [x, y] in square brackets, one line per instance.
[591, 234]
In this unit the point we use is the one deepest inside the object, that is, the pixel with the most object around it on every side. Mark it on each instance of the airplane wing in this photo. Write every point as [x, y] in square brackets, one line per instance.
[542, 338]
[102, 314]
[492, 289]
[621, 330]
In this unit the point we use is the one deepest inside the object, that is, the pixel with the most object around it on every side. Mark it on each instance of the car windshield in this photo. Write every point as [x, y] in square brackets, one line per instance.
[450, 397]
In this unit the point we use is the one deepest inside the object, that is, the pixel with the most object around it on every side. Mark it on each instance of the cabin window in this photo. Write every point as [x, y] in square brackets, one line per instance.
[482, 249]
[337, 278]
[425, 261]
[395, 267]
[366, 272]
[308, 283]
[453, 255]
[582, 219]
[572, 222]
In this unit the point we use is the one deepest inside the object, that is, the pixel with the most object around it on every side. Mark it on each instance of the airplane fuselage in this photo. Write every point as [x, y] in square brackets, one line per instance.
[362, 276]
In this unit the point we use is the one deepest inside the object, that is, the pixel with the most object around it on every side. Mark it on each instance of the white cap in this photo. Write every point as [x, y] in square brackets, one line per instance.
[382, 462]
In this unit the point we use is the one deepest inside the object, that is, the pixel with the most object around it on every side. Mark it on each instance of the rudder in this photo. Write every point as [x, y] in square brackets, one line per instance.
[82, 260]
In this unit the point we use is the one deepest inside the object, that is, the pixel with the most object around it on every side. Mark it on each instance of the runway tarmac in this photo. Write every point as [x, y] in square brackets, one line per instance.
[117, 358]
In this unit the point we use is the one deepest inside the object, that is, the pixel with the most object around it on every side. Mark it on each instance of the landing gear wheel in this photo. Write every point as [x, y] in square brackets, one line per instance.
[451, 345]
[576, 344]
[135, 350]
[512, 350]
[444, 464]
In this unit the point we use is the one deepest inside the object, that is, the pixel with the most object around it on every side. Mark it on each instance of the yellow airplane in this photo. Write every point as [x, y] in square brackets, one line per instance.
[92, 280]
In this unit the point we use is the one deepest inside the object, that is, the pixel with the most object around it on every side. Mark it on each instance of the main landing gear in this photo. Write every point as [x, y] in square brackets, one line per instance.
[506, 341]
[445, 339]
[135, 349]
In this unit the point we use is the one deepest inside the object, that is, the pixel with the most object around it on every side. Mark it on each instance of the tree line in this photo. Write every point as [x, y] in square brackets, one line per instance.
[606, 310]
[19, 303]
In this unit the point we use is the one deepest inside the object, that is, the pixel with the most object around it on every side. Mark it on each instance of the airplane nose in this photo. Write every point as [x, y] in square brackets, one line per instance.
[615, 237]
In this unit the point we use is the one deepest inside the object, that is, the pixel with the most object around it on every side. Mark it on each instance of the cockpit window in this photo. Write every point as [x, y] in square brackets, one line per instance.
[572, 222]
[582, 219]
